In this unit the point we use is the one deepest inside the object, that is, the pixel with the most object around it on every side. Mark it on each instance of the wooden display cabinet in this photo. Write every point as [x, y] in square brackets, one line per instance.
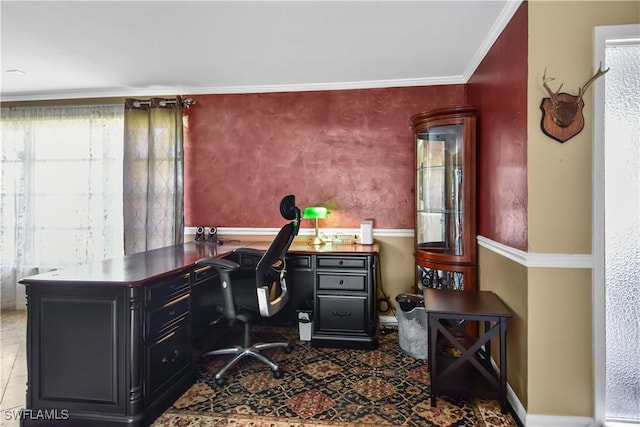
[445, 161]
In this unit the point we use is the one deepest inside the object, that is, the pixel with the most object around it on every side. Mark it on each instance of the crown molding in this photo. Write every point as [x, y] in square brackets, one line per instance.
[310, 87]
[503, 20]
[240, 89]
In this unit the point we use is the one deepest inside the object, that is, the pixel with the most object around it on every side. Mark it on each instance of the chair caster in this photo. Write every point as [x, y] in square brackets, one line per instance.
[289, 348]
[221, 381]
[277, 374]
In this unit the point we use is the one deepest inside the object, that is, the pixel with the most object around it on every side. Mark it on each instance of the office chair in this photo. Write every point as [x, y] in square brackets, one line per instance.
[262, 290]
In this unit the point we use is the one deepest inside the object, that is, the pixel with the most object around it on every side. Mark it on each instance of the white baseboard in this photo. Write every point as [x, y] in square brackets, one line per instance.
[512, 397]
[387, 320]
[528, 420]
[518, 409]
[534, 420]
[517, 406]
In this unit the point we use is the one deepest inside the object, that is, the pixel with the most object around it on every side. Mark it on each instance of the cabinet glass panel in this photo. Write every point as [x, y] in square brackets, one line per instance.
[440, 192]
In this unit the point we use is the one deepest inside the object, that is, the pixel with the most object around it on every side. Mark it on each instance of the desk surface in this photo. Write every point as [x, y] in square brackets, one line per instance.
[137, 269]
[447, 301]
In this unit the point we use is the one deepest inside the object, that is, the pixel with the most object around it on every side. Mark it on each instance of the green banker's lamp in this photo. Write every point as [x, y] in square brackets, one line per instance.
[316, 212]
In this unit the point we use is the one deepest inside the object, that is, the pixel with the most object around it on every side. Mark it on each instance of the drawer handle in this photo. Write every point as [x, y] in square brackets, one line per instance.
[346, 314]
[341, 262]
[165, 359]
[341, 282]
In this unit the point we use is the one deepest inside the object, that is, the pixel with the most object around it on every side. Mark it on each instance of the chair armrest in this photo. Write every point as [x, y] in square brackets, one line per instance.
[219, 263]
[224, 267]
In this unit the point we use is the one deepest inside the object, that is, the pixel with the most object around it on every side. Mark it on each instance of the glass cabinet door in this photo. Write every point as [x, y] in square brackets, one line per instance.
[440, 190]
[445, 233]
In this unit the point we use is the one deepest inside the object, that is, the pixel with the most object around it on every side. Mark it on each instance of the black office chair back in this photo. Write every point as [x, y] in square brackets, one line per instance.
[288, 208]
[271, 269]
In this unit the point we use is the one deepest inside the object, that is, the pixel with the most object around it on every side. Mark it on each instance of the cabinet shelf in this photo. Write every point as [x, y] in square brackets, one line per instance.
[445, 162]
[440, 211]
[440, 167]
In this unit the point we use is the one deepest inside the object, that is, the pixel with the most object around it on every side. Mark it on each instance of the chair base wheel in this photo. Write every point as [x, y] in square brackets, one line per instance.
[221, 381]
[277, 373]
[289, 348]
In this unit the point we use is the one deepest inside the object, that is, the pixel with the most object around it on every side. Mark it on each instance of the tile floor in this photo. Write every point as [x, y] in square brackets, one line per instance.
[13, 372]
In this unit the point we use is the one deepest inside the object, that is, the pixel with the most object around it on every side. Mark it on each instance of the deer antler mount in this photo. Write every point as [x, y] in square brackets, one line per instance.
[562, 117]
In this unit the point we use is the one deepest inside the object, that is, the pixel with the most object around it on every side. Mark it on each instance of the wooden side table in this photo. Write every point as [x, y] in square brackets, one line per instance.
[469, 374]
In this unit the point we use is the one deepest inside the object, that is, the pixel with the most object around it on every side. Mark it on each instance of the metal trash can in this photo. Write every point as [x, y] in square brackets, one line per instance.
[305, 320]
[412, 325]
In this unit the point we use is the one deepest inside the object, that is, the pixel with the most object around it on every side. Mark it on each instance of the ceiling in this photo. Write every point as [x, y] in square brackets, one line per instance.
[86, 49]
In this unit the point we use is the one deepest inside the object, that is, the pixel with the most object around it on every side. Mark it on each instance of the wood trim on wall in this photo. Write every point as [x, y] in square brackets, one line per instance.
[248, 231]
[537, 260]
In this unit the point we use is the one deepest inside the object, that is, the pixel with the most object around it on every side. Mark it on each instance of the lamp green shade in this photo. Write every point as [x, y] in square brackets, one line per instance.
[316, 212]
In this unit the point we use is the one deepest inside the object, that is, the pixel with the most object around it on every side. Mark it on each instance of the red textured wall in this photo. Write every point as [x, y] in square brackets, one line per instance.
[499, 89]
[350, 150]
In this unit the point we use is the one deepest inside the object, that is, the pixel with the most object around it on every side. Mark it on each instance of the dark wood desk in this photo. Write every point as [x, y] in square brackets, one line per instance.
[470, 374]
[339, 281]
[343, 279]
[109, 343]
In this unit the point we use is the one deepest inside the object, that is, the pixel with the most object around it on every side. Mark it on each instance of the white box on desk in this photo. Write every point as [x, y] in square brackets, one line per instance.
[366, 232]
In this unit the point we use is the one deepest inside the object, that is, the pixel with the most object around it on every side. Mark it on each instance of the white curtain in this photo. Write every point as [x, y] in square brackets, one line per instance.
[61, 187]
[153, 174]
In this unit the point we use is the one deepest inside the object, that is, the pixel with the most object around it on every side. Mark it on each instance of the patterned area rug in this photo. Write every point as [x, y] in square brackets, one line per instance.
[325, 387]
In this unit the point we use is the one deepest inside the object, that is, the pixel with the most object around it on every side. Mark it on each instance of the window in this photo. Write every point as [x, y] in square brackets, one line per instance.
[616, 229]
[61, 187]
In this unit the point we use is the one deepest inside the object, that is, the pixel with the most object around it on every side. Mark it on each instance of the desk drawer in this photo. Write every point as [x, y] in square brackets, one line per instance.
[163, 292]
[342, 314]
[203, 273]
[166, 358]
[165, 316]
[342, 262]
[300, 261]
[342, 282]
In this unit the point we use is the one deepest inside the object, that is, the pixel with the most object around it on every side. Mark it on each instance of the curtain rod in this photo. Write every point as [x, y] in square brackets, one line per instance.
[187, 102]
